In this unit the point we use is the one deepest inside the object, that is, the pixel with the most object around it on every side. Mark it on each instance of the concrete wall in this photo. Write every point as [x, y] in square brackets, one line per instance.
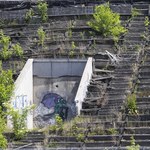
[85, 80]
[55, 77]
[56, 68]
[23, 92]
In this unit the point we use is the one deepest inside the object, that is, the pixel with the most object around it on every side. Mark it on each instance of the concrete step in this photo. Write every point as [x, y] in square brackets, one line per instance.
[133, 38]
[95, 138]
[25, 146]
[145, 143]
[137, 123]
[140, 117]
[143, 88]
[80, 144]
[108, 117]
[118, 91]
[121, 85]
[140, 6]
[139, 18]
[134, 28]
[133, 42]
[100, 103]
[143, 99]
[145, 84]
[137, 130]
[143, 11]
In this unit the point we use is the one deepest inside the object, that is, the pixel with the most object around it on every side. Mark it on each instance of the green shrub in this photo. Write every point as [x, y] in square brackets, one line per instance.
[9, 49]
[17, 50]
[146, 22]
[5, 42]
[6, 86]
[41, 36]
[133, 146]
[29, 15]
[58, 127]
[112, 131]
[131, 104]
[42, 9]
[80, 137]
[19, 120]
[3, 141]
[106, 22]
[134, 12]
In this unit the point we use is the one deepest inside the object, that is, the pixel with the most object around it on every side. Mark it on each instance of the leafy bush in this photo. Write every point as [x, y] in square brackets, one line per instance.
[9, 49]
[131, 104]
[42, 9]
[146, 22]
[29, 15]
[80, 137]
[5, 41]
[134, 12]
[106, 22]
[19, 120]
[3, 141]
[41, 36]
[17, 50]
[133, 146]
[6, 86]
[112, 131]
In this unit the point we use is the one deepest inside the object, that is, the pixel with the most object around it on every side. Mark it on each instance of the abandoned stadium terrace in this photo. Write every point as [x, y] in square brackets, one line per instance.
[118, 72]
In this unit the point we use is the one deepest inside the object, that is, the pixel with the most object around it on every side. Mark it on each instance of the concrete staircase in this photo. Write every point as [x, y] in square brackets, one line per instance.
[106, 100]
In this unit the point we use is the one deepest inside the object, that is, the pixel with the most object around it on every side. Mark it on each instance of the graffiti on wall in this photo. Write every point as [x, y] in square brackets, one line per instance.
[50, 105]
[20, 101]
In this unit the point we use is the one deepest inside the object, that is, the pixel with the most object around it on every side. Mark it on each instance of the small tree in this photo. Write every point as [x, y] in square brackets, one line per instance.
[41, 36]
[5, 42]
[6, 86]
[8, 49]
[6, 90]
[42, 9]
[106, 22]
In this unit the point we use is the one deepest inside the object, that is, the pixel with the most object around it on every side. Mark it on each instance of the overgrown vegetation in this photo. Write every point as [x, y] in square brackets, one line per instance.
[73, 47]
[146, 22]
[41, 36]
[131, 104]
[17, 50]
[134, 13]
[133, 146]
[6, 85]
[6, 90]
[106, 22]
[29, 15]
[9, 49]
[18, 118]
[58, 127]
[42, 9]
[3, 141]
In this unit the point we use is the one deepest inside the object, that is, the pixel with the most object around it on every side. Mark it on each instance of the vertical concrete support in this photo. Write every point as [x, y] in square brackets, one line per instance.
[85, 80]
[23, 92]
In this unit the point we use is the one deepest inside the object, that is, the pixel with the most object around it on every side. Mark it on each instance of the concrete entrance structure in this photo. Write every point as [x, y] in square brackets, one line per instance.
[54, 86]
